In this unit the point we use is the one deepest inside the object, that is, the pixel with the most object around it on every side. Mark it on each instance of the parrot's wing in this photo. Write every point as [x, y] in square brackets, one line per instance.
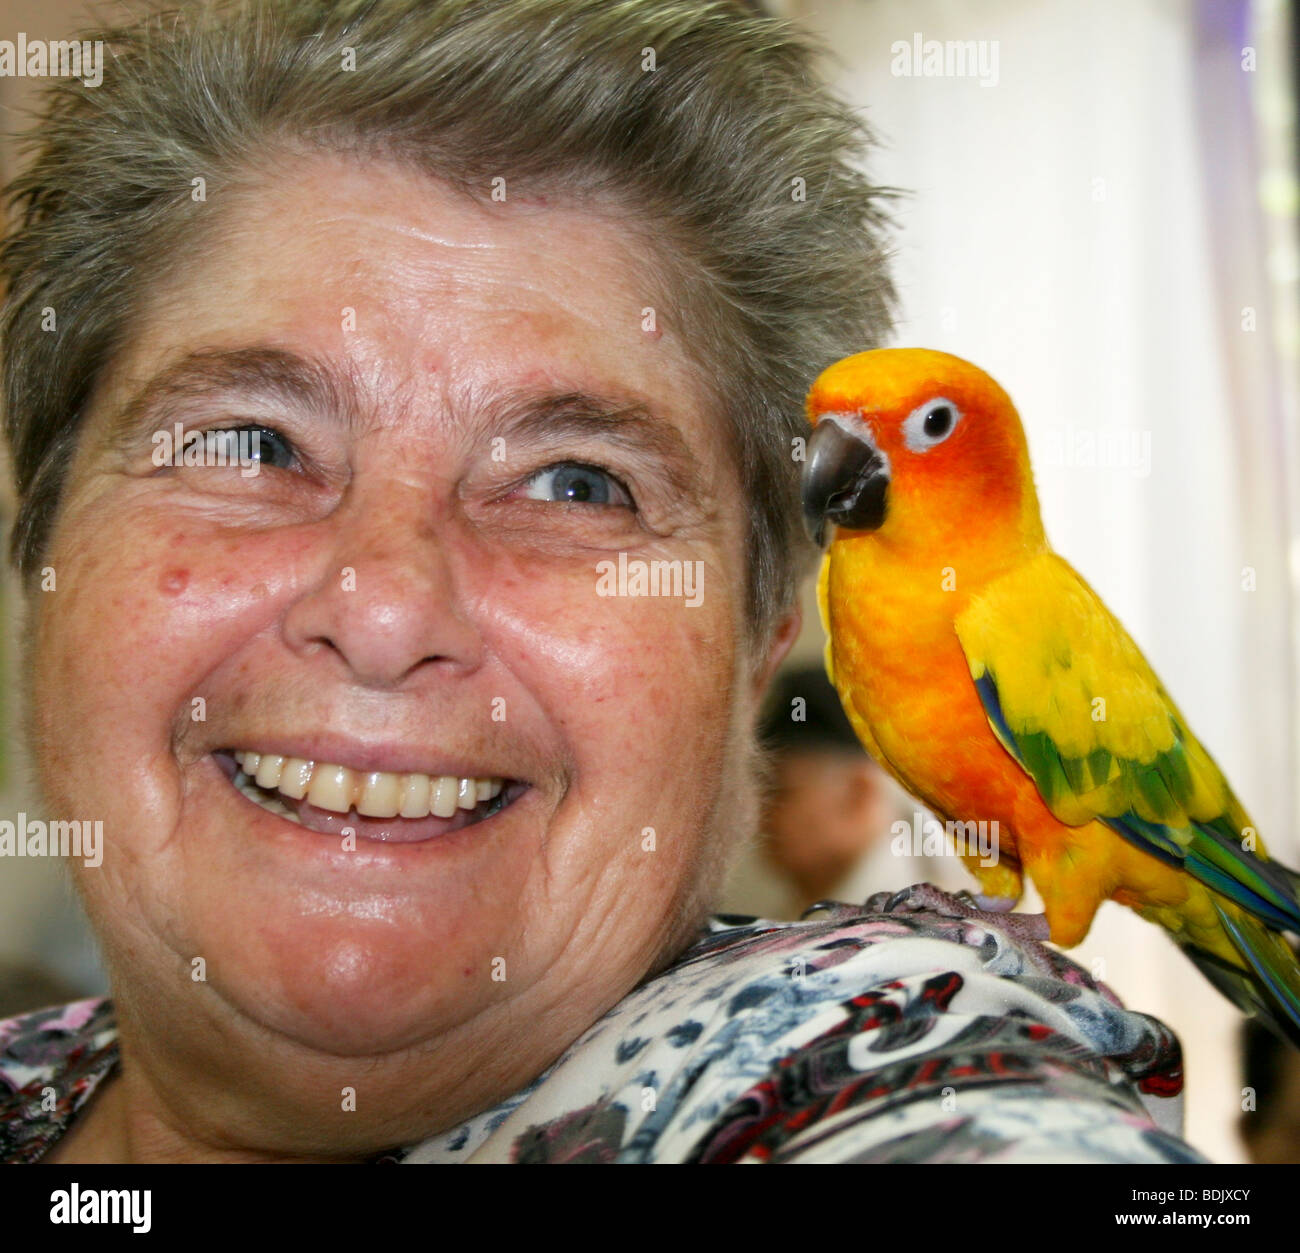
[1072, 699]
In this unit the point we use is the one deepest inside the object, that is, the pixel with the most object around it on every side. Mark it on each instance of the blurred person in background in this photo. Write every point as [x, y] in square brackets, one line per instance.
[830, 824]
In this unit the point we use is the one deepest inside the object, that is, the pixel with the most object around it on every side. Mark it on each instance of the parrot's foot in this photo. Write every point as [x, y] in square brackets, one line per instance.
[834, 909]
[991, 904]
[995, 911]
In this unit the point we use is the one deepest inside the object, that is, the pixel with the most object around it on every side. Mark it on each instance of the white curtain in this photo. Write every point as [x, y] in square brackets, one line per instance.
[1084, 224]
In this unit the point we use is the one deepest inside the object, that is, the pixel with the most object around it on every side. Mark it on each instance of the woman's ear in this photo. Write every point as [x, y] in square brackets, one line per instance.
[783, 638]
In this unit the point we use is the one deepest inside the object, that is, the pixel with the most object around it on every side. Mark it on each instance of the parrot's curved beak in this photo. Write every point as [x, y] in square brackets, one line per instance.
[845, 481]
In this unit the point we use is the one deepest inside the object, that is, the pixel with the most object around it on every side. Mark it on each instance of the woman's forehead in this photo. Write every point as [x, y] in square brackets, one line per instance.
[409, 290]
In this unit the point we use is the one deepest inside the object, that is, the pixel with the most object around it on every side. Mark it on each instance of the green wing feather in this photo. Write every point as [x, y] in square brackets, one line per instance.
[1072, 699]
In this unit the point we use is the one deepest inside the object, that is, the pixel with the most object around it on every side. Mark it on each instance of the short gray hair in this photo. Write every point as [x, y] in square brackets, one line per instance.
[730, 153]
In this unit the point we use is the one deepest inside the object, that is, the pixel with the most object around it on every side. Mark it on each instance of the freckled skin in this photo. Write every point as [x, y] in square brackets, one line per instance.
[370, 970]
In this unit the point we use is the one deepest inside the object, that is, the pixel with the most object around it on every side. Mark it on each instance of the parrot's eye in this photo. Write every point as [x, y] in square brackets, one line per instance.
[938, 422]
[930, 424]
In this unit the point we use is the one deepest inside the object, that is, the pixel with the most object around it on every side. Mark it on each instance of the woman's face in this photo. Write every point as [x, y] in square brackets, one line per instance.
[411, 584]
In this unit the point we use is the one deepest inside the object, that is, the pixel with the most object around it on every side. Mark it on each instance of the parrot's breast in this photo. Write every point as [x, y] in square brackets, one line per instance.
[907, 689]
[906, 686]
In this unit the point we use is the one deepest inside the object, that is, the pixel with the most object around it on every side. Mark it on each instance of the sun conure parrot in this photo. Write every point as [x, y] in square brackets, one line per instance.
[990, 680]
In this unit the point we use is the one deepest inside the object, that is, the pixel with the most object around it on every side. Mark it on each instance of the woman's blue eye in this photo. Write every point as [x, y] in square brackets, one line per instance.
[581, 484]
[258, 445]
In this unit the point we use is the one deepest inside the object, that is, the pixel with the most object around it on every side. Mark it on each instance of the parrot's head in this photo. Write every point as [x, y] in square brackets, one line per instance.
[916, 446]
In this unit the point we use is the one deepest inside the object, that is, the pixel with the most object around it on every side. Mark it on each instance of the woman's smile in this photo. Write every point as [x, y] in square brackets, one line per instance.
[351, 842]
[372, 804]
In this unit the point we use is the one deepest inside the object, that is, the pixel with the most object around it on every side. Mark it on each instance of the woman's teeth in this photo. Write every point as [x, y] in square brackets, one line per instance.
[378, 794]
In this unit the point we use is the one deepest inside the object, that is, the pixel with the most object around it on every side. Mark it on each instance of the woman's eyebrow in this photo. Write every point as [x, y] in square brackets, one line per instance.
[540, 418]
[272, 373]
[535, 417]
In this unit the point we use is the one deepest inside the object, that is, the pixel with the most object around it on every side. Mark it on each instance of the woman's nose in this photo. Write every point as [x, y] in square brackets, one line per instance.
[386, 597]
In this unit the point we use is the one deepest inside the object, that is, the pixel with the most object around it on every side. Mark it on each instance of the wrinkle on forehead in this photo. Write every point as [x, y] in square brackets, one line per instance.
[586, 253]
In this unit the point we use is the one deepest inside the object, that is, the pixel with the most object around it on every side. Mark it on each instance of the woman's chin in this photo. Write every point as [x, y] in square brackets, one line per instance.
[355, 994]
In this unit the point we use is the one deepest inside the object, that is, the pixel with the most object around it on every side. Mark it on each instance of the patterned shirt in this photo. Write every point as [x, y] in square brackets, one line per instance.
[907, 1029]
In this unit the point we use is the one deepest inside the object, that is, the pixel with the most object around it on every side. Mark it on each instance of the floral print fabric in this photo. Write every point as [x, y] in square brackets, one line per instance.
[907, 1029]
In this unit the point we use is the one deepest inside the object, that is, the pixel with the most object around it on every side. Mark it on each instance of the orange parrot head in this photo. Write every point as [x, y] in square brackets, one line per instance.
[916, 446]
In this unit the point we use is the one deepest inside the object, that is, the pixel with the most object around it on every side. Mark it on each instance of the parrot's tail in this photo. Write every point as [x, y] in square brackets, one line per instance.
[1269, 987]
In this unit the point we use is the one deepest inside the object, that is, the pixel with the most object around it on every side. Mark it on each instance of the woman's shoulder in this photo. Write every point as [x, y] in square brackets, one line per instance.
[51, 1062]
[911, 1027]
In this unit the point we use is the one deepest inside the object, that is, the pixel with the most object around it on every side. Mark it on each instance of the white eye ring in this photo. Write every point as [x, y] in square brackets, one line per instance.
[925, 426]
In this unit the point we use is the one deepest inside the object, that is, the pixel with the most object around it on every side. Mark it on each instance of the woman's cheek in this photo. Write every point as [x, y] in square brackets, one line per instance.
[638, 692]
[128, 634]
[634, 668]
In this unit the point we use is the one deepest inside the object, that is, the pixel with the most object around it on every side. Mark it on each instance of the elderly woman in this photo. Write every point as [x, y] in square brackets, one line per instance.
[414, 682]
